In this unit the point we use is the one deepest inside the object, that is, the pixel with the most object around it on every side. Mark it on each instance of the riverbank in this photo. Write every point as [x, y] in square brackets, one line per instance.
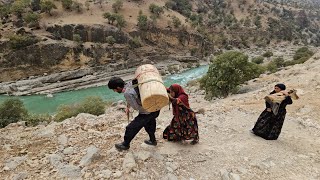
[90, 77]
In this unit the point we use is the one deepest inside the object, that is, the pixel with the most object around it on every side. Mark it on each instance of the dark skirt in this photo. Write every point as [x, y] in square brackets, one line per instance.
[183, 126]
[268, 125]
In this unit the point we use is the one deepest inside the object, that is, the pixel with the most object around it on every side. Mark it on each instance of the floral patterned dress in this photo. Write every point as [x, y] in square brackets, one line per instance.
[184, 124]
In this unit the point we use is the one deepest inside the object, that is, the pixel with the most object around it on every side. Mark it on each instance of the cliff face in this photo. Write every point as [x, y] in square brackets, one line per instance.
[57, 51]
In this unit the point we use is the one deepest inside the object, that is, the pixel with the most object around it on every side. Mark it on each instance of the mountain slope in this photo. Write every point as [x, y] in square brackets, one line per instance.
[83, 147]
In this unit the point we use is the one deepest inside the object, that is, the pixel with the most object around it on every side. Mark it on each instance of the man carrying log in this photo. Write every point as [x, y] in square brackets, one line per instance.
[144, 119]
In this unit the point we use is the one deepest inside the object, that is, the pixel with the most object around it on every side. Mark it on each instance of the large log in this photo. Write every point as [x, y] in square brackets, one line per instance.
[152, 90]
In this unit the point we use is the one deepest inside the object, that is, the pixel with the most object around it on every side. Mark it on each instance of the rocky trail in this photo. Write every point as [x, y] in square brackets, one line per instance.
[83, 147]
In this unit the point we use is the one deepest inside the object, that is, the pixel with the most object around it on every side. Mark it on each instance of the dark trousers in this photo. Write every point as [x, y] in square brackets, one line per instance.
[148, 121]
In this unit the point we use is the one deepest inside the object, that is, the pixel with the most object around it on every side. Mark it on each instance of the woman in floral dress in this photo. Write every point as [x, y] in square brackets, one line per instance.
[184, 124]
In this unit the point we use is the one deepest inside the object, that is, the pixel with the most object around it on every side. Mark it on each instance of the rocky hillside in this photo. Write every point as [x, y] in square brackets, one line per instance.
[45, 37]
[83, 147]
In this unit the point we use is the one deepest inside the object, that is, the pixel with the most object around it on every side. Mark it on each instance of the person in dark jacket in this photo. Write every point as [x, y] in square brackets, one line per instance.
[270, 121]
[144, 119]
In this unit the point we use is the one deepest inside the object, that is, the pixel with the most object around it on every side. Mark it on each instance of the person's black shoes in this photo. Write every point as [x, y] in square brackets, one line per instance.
[149, 142]
[121, 147]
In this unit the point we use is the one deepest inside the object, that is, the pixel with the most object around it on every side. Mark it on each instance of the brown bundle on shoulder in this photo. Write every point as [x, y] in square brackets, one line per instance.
[279, 97]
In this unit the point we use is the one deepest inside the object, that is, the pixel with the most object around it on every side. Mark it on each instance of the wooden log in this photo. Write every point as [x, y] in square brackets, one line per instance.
[279, 97]
[152, 90]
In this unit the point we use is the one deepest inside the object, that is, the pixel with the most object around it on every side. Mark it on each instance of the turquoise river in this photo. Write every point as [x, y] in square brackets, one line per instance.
[42, 104]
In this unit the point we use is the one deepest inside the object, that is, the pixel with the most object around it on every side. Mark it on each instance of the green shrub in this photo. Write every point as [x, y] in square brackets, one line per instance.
[142, 21]
[272, 67]
[31, 18]
[302, 53]
[121, 22]
[4, 11]
[135, 42]
[258, 60]
[110, 40]
[18, 41]
[267, 54]
[12, 111]
[65, 112]
[77, 38]
[36, 119]
[91, 105]
[18, 7]
[67, 4]
[226, 72]
[176, 22]
[111, 17]
[184, 7]
[47, 6]
[116, 6]
[279, 62]
[157, 10]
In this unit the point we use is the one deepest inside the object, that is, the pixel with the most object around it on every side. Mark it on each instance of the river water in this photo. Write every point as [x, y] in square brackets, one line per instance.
[41, 104]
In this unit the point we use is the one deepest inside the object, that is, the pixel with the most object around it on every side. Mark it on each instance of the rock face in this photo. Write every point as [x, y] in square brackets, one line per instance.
[58, 49]
[92, 33]
[37, 55]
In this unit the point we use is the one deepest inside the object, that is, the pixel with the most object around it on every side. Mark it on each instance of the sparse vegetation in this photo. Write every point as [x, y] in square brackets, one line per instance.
[47, 6]
[156, 10]
[91, 105]
[142, 21]
[116, 6]
[258, 60]
[267, 54]
[18, 41]
[176, 22]
[135, 42]
[67, 4]
[32, 18]
[110, 40]
[77, 38]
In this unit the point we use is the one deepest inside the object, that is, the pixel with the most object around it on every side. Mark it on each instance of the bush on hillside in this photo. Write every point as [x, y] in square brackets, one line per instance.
[184, 7]
[91, 105]
[300, 56]
[116, 6]
[176, 22]
[227, 72]
[36, 119]
[47, 6]
[135, 42]
[67, 4]
[142, 21]
[258, 60]
[111, 40]
[12, 111]
[111, 17]
[18, 41]
[156, 10]
[4, 11]
[302, 53]
[272, 67]
[267, 54]
[32, 18]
